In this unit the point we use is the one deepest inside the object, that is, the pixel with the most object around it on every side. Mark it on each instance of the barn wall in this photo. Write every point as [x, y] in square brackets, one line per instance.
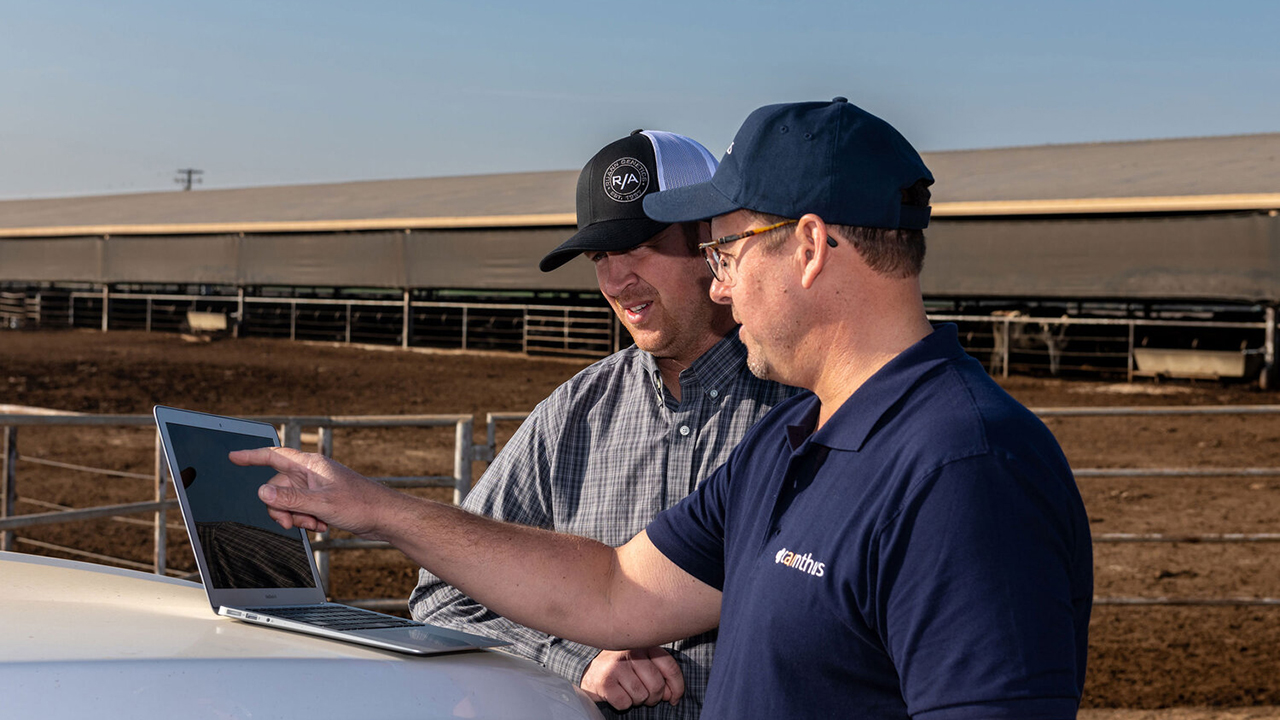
[1226, 257]
[1230, 257]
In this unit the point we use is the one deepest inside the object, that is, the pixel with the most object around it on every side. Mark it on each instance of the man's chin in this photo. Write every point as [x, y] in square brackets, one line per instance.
[647, 340]
[759, 368]
[755, 359]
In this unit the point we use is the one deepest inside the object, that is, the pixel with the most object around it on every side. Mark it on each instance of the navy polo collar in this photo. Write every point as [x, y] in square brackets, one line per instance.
[851, 425]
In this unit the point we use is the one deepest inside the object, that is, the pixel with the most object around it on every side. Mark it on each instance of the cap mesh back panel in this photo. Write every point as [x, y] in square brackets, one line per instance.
[680, 161]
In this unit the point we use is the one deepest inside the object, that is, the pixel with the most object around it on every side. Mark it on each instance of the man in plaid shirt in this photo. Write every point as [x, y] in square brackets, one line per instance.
[632, 434]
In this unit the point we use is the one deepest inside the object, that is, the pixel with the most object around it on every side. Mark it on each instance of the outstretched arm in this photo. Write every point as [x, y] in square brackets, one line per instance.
[576, 588]
[623, 678]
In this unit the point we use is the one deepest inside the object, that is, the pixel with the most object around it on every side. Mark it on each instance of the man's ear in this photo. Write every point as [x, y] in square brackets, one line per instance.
[811, 232]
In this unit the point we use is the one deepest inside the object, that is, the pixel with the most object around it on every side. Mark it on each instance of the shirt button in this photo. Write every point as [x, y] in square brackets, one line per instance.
[714, 393]
[684, 429]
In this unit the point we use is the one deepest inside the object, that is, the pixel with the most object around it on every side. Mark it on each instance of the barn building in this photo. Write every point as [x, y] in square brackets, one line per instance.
[1157, 257]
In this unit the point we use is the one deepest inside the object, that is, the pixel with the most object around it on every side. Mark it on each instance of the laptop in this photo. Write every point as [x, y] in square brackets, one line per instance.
[254, 570]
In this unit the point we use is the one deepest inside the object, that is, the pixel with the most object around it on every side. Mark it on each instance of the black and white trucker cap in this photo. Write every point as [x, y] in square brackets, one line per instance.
[614, 183]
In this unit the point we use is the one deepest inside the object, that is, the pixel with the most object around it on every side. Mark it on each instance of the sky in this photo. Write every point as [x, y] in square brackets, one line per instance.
[104, 98]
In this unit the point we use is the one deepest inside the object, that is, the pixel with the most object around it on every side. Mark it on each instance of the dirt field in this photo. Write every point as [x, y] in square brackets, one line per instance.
[1140, 657]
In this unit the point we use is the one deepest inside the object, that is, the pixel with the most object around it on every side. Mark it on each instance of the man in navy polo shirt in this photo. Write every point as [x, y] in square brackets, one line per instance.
[905, 540]
[909, 533]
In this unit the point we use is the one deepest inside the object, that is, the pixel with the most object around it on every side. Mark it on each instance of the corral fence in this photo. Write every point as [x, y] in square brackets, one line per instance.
[1128, 347]
[1110, 339]
[531, 328]
[293, 431]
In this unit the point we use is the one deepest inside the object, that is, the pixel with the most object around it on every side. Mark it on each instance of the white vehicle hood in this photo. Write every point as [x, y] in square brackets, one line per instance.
[80, 640]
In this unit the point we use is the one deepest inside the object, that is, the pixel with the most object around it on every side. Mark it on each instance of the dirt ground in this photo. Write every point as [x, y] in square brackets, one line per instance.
[1202, 660]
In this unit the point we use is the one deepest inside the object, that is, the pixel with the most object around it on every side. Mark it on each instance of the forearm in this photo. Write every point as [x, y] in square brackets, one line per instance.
[564, 585]
[560, 584]
[439, 603]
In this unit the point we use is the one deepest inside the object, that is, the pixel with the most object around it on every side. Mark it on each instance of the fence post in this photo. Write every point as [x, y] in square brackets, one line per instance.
[8, 482]
[293, 320]
[524, 331]
[464, 327]
[407, 325]
[162, 527]
[462, 455]
[239, 311]
[348, 323]
[291, 434]
[1267, 379]
[1004, 360]
[106, 303]
[1130, 360]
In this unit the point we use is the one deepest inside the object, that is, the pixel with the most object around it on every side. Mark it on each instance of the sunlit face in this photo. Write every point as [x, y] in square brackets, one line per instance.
[756, 294]
[659, 290]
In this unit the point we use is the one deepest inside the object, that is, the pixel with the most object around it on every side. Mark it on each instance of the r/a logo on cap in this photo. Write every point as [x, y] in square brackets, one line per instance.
[626, 180]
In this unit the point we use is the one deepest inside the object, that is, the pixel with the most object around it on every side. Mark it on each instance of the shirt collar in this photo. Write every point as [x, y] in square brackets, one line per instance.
[715, 370]
[718, 367]
[851, 425]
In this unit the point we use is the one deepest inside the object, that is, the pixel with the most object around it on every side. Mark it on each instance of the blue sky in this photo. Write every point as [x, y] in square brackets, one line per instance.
[114, 97]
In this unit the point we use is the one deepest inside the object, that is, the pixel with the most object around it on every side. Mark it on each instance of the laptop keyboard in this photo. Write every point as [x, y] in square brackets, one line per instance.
[336, 617]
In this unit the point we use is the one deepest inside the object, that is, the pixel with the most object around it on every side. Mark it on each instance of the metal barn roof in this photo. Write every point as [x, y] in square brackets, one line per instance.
[538, 198]
[1190, 174]
[1231, 165]
[1160, 219]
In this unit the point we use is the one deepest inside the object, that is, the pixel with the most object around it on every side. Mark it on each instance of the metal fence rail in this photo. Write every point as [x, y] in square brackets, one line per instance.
[466, 452]
[512, 327]
[1043, 343]
[291, 432]
[1105, 342]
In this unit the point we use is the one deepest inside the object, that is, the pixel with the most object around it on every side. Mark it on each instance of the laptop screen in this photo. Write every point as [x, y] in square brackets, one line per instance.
[243, 547]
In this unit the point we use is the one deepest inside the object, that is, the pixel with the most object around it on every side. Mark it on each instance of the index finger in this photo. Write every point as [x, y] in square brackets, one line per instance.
[267, 456]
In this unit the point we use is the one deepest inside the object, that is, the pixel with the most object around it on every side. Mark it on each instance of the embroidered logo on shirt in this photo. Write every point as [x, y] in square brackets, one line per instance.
[804, 563]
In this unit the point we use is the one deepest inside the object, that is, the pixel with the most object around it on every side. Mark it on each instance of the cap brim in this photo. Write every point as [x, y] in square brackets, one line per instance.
[608, 236]
[689, 203]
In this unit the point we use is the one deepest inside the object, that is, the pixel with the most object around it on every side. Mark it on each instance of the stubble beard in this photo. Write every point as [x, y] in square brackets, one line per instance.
[755, 357]
[759, 368]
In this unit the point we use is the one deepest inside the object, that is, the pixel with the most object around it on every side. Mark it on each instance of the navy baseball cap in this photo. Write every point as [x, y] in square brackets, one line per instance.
[614, 183]
[833, 159]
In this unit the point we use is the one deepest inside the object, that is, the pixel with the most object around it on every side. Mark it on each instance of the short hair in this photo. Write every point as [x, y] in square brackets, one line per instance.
[893, 252]
[692, 239]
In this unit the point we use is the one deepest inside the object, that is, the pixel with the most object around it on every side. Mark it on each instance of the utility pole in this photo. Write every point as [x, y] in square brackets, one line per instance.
[186, 176]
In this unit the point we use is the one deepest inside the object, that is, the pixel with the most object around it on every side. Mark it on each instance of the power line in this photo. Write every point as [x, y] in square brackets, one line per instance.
[187, 176]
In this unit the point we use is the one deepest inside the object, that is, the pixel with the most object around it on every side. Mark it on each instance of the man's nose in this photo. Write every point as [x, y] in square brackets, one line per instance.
[615, 273]
[720, 292]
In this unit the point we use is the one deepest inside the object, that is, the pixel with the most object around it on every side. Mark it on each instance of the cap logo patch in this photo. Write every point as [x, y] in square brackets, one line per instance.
[626, 180]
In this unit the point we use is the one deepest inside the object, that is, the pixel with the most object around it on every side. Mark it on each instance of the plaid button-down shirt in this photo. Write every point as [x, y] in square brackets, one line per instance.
[599, 458]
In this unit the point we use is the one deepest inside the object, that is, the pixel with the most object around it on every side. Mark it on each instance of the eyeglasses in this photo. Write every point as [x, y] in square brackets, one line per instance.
[722, 266]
